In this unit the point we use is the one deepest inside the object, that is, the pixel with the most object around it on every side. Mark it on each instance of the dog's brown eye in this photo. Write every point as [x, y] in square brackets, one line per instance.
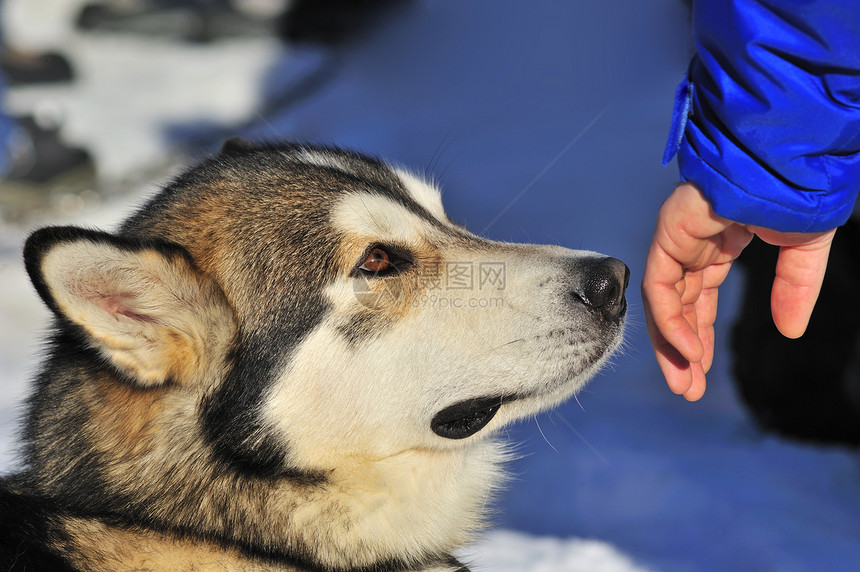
[377, 261]
[384, 260]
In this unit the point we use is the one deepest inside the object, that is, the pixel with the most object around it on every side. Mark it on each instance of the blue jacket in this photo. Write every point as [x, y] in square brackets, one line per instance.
[767, 123]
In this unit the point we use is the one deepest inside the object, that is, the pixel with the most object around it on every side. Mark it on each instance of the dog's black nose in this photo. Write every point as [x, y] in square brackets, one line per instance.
[603, 285]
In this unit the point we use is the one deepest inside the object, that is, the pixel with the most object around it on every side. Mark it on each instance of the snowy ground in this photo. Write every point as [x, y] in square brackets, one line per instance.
[545, 123]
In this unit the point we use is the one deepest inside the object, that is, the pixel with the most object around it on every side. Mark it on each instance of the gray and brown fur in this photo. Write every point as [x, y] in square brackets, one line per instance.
[216, 395]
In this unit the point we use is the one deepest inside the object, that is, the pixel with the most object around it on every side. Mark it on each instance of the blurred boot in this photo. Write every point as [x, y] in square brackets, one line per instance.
[21, 68]
[40, 167]
[196, 21]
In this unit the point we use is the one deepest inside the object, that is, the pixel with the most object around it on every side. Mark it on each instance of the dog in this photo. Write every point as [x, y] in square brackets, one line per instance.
[289, 359]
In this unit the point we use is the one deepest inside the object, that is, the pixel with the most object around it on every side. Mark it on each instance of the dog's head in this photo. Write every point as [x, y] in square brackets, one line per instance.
[320, 305]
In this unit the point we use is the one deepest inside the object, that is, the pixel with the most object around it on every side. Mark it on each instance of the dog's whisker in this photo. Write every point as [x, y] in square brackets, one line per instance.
[576, 398]
[448, 165]
[494, 349]
[440, 151]
[540, 429]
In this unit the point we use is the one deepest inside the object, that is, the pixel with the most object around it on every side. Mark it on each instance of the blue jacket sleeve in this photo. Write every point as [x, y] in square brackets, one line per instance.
[767, 122]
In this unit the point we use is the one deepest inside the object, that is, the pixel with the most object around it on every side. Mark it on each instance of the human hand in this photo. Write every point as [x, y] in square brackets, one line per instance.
[690, 256]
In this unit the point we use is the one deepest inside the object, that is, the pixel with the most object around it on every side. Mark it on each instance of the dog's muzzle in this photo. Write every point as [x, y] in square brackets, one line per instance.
[599, 286]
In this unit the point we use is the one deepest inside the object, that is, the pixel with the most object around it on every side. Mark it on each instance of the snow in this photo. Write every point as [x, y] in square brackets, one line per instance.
[508, 551]
[544, 122]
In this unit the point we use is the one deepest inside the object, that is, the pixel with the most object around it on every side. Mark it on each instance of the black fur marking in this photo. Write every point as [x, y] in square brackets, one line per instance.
[28, 528]
[231, 422]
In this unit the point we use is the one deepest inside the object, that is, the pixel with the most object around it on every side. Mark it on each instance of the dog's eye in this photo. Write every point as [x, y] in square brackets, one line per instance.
[383, 261]
[377, 261]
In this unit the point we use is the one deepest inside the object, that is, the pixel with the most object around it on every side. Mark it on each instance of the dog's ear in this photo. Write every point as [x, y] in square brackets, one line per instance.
[143, 305]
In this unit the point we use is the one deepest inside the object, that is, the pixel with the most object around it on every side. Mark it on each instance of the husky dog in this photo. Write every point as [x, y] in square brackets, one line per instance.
[289, 359]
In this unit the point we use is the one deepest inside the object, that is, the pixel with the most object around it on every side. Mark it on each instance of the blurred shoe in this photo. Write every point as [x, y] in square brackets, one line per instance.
[21, 68]
[41, 167]
[808, 388]
[182, 21]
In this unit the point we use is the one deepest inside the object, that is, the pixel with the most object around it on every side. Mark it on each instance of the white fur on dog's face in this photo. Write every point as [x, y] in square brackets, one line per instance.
[466, 318]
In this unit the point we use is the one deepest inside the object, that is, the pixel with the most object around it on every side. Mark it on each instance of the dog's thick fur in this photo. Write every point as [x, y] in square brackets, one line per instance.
[258, 372]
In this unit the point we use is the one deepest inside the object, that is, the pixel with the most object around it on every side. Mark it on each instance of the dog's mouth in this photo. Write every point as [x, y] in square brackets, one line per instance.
[466, 418]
